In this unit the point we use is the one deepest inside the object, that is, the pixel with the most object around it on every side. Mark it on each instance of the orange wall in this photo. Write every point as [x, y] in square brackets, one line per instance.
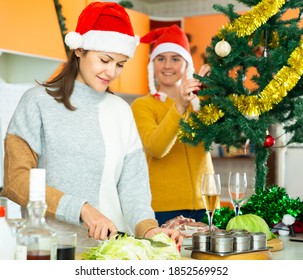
[71, 9]
[202, 29]
[134, 76]
[31, 29]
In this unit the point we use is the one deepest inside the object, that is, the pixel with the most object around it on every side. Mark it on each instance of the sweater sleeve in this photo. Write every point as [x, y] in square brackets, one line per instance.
[19, 159]
[157, 135]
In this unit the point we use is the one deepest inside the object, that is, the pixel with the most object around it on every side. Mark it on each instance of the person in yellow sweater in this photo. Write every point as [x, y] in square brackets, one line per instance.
[175, 168]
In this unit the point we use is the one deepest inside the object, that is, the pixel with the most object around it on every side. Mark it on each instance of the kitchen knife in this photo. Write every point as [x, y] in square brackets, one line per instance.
[152, 242]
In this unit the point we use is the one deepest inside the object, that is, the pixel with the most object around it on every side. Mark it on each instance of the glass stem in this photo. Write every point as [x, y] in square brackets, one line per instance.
[210, 219]
[237, 208]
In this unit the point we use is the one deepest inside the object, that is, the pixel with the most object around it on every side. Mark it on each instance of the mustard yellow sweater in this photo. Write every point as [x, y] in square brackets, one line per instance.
[175, 169]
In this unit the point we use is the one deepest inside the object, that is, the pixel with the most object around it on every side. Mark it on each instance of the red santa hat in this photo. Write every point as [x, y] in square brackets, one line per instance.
[104, 27]
[167, 39]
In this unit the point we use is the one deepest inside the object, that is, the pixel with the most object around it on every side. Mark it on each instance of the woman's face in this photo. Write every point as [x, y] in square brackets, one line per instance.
[169, 68]
[97, 69]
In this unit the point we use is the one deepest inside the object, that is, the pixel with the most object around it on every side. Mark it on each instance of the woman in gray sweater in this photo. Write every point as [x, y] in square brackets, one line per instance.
[85, 137]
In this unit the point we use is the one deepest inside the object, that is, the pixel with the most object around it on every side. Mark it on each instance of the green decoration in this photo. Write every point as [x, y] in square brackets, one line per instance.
[126, 4]
[270, 204]
[61, 20]
[221, 217]
[233, 111]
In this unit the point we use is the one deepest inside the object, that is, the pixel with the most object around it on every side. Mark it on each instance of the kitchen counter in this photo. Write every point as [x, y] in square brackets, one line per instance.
[292, 250]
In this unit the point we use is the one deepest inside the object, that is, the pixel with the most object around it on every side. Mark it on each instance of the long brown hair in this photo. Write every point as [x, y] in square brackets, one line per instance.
[62, 85]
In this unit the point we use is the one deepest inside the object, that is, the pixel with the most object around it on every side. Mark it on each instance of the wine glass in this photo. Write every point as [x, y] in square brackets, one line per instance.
[211, 190]
[237, 186]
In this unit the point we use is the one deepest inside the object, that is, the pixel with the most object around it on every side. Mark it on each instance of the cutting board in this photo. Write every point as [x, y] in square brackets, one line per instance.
[259, 255]
[274, 244]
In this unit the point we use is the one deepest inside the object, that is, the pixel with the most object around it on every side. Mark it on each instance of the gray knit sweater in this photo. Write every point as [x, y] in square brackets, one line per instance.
[93, 154]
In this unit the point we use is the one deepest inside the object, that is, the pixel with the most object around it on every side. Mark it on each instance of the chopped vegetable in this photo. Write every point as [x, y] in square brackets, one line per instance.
[129, 248]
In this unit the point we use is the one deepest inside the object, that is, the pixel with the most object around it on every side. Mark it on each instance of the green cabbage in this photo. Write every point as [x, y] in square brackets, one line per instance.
[251, 223]
[129, 248]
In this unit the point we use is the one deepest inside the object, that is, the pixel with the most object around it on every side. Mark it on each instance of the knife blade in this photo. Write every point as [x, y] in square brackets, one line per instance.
[152, 242]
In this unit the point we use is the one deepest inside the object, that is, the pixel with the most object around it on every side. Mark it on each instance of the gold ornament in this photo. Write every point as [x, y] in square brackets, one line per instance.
[222, 48]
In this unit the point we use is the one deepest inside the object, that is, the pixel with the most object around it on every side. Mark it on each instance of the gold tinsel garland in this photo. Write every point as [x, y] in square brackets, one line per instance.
[209, 114]
[276, 90]
[278, 87]
[252, 20]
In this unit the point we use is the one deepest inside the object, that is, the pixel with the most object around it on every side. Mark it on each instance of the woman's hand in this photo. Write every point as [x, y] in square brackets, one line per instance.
[204, 70]
[186, 95]
[175, 235]
[188, 87]
[98, 225]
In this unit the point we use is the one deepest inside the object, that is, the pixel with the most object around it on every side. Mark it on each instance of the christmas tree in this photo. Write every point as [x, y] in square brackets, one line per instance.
[232, 113]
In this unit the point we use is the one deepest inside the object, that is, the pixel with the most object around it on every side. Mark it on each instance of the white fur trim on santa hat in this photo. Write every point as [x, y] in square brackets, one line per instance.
[171, 47]
[107, 41]
[151, 82]
[195, 103]
[190, 71]
[151, 78]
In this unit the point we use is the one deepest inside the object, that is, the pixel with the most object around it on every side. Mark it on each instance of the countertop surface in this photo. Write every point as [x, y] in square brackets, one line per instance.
[293, 250]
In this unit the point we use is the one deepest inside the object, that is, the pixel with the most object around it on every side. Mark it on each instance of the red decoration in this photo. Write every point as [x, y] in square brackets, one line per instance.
[298, 226]
[196, 91]
[200, 88]
[269, 141]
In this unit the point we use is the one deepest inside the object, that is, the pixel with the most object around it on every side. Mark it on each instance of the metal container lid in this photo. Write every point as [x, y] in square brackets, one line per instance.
[258, 235]
[244, 237]
[220, 233]
[221, 239]
[235, 231]
[200, 236]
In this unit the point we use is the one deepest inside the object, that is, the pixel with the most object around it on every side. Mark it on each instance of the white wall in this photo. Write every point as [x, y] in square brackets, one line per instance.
[24, 69]
[294, 172]
[181, 8]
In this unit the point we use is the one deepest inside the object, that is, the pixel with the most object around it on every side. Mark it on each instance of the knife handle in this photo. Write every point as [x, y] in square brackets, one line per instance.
[118, 233]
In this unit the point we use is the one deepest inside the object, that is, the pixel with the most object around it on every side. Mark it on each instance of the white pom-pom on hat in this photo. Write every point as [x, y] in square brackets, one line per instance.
[288, 220]
[73, 40]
